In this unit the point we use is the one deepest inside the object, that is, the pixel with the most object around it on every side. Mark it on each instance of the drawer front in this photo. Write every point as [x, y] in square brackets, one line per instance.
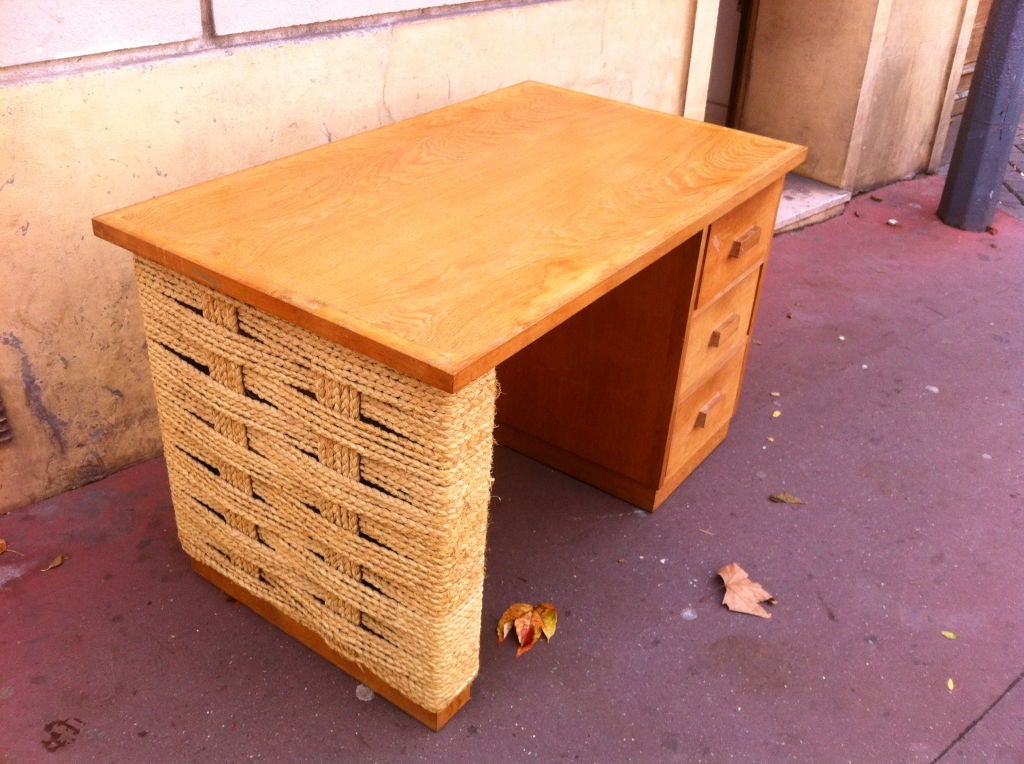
[700, 413]
[719, 329]
[737, 241]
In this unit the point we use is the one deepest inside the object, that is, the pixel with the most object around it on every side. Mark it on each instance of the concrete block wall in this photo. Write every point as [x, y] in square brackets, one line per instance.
[106, 128]
[43, 30]
[235, 16]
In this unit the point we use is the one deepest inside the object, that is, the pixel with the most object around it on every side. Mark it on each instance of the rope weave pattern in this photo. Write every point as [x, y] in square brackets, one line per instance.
[351, 497]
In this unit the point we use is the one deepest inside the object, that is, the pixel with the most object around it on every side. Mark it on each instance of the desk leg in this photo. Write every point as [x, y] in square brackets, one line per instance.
[345, 502]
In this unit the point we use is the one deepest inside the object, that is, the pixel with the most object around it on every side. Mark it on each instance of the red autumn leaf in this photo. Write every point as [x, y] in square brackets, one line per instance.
[529, 623]
[743, 595]
[528, 630]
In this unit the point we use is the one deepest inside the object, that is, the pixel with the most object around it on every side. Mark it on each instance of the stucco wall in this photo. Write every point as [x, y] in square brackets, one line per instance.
[73, 371]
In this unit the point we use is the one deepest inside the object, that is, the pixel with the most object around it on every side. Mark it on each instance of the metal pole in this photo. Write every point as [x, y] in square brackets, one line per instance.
[993, 111]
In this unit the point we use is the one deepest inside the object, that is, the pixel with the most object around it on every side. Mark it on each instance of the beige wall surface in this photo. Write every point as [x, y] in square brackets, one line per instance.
[899, 122]
[861, 83]
[806, 73]
[73, 370]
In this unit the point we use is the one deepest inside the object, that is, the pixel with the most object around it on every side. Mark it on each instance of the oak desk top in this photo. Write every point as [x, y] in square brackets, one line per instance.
[444, 243]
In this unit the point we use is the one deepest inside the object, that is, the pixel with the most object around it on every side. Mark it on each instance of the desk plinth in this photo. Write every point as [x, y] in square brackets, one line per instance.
[324, 332]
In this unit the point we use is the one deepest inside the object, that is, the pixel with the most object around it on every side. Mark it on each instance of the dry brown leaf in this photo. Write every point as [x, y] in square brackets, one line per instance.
[743, 595]
[785, 498]
[5, 548]
[57, 561]
[529, 623]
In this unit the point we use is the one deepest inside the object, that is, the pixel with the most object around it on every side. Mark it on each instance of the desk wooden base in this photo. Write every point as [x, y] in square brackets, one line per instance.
[625, 488]
[312, 640]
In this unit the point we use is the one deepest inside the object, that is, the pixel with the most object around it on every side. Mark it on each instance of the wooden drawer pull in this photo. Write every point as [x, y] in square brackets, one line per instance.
[725, 329]
[745, 241]
[706, 409]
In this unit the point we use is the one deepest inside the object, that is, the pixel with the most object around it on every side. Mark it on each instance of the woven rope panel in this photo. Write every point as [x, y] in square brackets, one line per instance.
[349, 496]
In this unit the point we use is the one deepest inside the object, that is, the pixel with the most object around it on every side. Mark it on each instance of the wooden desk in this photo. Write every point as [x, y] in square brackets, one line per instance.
[324, 331]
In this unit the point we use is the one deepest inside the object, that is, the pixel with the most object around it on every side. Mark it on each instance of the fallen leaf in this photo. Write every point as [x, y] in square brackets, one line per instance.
[785, 498]
[875, 198]
[548, 617]
[743, 595]
[528, 629]
[508, 618]
[949, 684]
[949, 634]
[776, 414]
[57, 561]
[5, 548]
[529, 623]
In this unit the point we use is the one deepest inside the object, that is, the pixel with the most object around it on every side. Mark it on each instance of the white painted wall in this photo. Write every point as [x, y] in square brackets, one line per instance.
[43, 30]
[48, 30]
[232, 16]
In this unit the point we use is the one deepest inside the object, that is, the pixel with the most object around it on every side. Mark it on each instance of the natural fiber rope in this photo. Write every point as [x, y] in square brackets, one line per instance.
[351, 497]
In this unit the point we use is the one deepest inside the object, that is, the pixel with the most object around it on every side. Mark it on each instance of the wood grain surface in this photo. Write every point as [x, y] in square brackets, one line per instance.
[443, 244]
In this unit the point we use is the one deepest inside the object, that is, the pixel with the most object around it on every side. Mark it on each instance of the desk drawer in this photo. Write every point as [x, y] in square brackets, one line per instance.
[737, 241]
[718, 329]
[700, 414]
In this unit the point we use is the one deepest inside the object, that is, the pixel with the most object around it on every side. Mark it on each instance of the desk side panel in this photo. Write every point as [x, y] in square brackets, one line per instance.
[599, 387]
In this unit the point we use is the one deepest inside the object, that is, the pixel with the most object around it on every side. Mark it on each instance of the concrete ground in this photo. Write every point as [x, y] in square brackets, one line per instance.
[1011, 197]
[896, 351]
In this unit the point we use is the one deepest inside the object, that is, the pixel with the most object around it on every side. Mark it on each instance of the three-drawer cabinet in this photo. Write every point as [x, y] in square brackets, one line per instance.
[670, 347]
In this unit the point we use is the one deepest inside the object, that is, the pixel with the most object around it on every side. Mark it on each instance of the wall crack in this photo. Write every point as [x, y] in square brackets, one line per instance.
[34, 392]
